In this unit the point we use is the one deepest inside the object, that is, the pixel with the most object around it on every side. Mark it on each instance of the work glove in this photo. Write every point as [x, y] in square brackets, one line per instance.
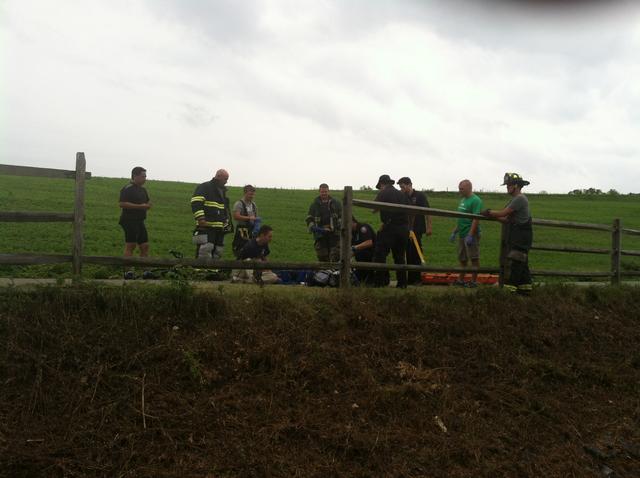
[317, 229]
[353, 249]
[452, 237]
[469, 240]
[257, 223]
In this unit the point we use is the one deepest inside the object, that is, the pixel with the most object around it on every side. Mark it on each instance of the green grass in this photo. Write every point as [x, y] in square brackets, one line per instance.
[170, 223]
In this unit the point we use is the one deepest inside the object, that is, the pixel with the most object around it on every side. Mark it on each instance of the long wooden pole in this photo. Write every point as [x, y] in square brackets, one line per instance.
[345, 238]
[78, 218]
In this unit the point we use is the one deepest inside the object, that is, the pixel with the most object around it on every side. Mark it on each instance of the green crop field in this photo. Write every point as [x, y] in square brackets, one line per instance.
[170, 224]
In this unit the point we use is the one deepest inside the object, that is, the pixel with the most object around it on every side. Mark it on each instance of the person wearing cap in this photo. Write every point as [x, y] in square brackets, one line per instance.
[210, 208]
[517, 277]
[393, 233]
[363, 239]
[245, 212]
[468, 233]
[324, 221]
[420, 224]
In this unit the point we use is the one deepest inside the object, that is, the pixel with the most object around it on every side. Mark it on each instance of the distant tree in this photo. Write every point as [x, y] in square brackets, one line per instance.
[575, 192]
[365, 188]
[613, 192]
[543, 192]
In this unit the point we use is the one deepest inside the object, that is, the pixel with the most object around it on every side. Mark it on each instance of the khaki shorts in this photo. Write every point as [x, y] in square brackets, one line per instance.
[466, 253]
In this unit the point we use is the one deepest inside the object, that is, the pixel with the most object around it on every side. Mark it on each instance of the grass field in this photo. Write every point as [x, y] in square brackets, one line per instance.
[170, 223]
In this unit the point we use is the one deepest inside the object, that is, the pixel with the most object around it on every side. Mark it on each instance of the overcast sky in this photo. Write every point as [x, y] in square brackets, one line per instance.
[291, 93]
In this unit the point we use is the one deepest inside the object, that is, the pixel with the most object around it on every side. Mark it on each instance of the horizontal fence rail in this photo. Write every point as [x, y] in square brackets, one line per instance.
[20, 216]
[571, 225]
[585, 250]
[12, 170]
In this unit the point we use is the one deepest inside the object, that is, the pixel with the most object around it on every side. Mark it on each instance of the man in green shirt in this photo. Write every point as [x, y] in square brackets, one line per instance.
[468, 232]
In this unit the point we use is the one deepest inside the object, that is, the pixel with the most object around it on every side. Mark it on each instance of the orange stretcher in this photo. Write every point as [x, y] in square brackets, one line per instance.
[447, 278]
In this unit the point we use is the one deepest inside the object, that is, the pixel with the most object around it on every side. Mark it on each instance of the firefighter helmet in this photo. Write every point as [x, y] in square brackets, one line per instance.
[514, 178]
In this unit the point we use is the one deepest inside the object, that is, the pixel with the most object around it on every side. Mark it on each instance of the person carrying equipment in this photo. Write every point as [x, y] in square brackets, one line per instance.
[517, 277]
[210, 208]
[418, 225]
[324, 221]
[245, 212]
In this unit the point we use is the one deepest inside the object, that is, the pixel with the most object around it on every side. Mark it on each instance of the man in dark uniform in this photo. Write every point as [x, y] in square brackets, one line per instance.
[517, 277]
[420, 224]
[394, 231]
[362, 245]
[210, 208]
[134, 202]
[324, 221]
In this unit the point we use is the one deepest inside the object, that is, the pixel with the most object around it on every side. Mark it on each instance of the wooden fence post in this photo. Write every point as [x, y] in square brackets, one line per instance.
[78, 218]
[504, 248]
[616, 248]
[345, 238]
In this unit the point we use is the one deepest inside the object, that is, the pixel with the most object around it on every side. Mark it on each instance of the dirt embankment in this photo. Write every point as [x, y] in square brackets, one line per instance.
[125, 382]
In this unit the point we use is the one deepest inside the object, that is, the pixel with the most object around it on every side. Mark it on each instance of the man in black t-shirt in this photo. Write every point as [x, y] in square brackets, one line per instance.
[394, 231]
[256, 249]
[134, 202]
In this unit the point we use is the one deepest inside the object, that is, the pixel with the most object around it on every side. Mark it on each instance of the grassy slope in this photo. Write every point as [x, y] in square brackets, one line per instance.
[303, 382]
[170, 222]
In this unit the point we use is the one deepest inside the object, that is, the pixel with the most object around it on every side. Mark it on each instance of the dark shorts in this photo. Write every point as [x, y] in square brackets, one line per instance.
[135, 232]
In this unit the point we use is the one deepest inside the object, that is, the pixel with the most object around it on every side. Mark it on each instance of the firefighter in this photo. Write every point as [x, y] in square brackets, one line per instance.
[210, 208]
[394, 231]
[517, 216]
[363, 239]
[324, 221]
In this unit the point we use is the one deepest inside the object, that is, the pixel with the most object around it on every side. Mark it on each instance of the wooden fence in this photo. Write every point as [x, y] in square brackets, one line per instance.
[76, 217]
[345, 265]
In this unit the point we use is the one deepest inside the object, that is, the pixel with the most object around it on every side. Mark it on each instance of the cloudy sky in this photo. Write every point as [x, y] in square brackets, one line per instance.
[291, 93]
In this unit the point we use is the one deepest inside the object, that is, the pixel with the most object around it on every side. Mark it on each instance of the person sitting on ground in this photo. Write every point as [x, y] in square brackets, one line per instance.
[256, 249]
[362, 245]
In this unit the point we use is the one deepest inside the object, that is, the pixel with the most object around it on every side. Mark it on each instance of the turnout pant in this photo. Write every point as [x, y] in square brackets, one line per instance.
[328, 248]
[517, 275]
[391, 238]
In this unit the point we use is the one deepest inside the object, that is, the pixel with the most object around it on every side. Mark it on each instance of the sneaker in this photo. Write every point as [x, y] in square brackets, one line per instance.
[459, 283]
[129, 275]
[471, 285]
[148, 275]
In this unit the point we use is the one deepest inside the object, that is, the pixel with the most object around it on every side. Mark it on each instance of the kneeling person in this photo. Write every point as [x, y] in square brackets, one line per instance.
[257, 249]
[362, 245]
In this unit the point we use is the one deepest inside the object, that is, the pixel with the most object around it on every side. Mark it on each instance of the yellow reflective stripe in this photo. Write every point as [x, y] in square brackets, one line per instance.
[197, 198]
[214, 224]
[214, 204]
[525, 287]
[510, 288]
[198, 213]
